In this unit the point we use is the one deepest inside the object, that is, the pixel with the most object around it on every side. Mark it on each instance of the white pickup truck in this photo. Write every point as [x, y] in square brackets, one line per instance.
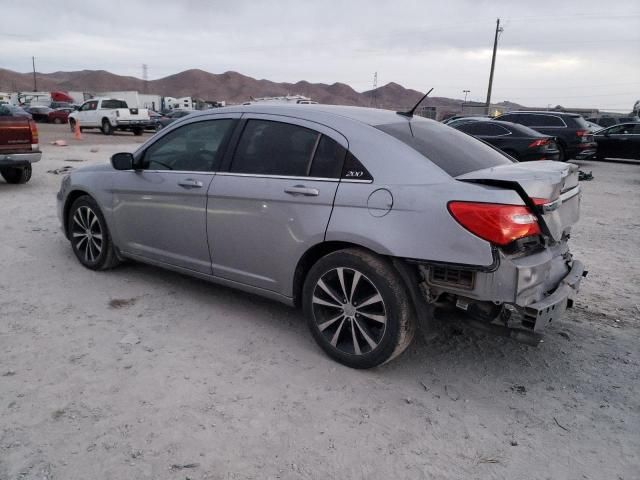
[109, 114]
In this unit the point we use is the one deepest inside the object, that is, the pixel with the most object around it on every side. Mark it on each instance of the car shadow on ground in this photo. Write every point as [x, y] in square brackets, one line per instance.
[451, 350]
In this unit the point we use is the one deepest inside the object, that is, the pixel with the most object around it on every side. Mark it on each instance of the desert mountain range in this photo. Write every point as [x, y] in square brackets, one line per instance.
[233, 87]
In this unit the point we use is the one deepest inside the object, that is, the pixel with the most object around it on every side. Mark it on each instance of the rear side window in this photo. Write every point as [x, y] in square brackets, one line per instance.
[535, 120]
[114, 104]
[454, 152]
[328, 159]
[580, 122]
[274, 148]
[485, 129]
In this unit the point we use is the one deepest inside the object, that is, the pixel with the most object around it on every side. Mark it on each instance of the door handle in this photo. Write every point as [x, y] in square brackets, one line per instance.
[302, 190]
[190, 183]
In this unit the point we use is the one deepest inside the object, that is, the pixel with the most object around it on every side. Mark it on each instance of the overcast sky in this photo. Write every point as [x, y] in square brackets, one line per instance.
[574, 53]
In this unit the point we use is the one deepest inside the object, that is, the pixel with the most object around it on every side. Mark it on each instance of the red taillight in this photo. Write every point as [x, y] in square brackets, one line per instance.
[541, 142]
[497, 223]
[582, 133]
[34, 132]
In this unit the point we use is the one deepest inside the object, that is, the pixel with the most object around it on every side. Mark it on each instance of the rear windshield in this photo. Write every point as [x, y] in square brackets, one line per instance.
[454, 152]
[114, 104]
[582, 123]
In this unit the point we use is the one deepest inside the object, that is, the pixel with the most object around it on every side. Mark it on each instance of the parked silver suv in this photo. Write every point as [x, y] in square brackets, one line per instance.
[365, 218]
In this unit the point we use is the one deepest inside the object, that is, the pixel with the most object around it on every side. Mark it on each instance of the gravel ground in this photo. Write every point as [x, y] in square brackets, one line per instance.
[145, 374]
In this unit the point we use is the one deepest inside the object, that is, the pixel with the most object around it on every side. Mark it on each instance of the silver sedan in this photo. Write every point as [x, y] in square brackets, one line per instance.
[368, 220]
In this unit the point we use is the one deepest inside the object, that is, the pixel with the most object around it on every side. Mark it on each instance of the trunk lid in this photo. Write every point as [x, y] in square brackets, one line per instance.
[549, 188]
[15, 134]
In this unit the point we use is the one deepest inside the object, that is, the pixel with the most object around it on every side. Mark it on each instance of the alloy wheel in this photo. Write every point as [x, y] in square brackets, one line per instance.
[349, 311]
[86, 234]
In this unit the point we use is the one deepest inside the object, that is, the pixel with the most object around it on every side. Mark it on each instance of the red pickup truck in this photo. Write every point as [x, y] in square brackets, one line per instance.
[18, 146]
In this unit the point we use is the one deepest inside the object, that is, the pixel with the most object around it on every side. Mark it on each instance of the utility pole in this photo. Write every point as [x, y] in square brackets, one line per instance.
[374, 93]
[33, 62]
[145, 78]
[493, 65]
[466, 92]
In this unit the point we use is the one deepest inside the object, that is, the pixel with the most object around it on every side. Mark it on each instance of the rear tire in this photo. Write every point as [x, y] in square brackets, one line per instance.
[368, 318]
[107, 129]
[16, 175]
[89, 236]
[138, 131]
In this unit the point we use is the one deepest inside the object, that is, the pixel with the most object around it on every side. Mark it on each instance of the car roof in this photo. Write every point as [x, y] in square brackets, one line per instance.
[316, 112]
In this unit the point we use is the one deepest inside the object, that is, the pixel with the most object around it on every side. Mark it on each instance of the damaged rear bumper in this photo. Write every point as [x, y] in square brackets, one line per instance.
[540, 286]
[540, 314]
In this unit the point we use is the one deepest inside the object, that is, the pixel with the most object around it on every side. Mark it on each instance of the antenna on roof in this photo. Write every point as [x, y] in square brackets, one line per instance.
[410, 112]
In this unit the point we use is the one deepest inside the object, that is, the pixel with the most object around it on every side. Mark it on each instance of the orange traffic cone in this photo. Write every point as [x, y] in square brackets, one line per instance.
[76, 131]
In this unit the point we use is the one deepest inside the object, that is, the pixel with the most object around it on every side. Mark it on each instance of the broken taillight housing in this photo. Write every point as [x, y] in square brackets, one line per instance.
[497, 223]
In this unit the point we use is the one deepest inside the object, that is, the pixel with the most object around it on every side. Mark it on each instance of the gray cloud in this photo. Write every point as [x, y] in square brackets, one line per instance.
[574, 53]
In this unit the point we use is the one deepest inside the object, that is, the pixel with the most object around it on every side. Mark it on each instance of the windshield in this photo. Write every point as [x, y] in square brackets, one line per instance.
[454, 152]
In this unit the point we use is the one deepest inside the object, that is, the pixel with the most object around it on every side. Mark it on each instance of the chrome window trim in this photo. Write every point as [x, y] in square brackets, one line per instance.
[278, 177]
[287, 177]
[188, 172]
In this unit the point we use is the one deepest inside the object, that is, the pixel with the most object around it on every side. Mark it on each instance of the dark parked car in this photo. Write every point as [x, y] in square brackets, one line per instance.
[155, 118]
[172, 117]
[60, 115]
[572, 133]
[16, 111]
[518, 141]
[619, 141]
[40, 114]
[608, 121]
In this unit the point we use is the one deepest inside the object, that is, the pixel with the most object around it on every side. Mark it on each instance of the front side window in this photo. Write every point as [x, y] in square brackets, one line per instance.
[275, 148]
[621, 130]
[195, 147]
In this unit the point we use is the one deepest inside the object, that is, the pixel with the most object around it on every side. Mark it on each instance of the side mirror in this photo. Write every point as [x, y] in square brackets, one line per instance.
[77, 108]
[122, 161]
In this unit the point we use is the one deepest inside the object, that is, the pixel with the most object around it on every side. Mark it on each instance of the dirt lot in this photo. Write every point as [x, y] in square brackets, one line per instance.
[138, 373]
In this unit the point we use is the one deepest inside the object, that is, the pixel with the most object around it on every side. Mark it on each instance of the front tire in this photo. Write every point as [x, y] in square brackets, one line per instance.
[358, 309]
[16, 175]
[89, 235]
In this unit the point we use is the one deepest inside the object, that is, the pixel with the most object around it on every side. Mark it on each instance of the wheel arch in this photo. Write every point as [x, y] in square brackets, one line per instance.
[71, 197]
[310, 257]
